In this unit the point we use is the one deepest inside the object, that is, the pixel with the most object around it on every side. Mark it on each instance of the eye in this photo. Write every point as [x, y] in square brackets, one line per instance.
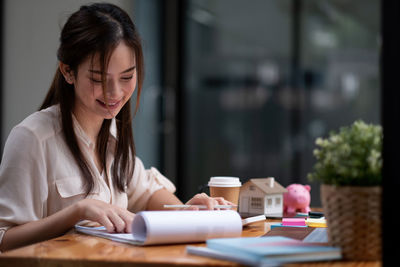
[94, 80]
[127, 78]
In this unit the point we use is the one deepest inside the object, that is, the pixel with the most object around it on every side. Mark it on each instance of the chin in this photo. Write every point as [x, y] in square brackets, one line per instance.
[110, 116]
[106, 114]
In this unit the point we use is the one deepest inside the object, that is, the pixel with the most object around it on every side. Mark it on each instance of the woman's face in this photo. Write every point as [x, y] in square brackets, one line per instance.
[90, 103]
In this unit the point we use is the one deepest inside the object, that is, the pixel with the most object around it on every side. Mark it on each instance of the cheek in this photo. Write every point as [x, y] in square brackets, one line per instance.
[87, 89]
[130, 88]
[96, 91]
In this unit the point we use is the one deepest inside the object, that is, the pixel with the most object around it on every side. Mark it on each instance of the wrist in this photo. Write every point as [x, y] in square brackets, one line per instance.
[77, 211]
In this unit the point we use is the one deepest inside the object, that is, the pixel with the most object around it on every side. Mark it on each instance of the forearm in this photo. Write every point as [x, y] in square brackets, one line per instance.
[43, 229]
[161, 197]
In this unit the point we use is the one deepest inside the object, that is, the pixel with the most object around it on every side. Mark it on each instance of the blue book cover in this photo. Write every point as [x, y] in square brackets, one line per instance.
[273, 249]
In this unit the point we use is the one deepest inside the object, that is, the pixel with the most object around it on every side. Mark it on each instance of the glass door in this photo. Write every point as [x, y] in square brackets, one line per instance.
[263, 79]
[235, 86]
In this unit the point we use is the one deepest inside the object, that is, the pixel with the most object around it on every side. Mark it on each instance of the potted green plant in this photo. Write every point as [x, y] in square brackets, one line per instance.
[349, 164]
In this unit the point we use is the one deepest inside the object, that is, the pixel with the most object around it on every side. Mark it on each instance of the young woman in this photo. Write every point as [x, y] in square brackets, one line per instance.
[74, 160]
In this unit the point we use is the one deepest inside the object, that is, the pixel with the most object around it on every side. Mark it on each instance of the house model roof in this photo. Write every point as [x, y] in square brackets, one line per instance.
[267, 185]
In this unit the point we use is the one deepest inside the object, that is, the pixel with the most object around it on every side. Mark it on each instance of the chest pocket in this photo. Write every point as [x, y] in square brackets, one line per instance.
[70, 186]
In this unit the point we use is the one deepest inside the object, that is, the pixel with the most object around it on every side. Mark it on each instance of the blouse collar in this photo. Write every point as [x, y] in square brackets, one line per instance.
[83, 136]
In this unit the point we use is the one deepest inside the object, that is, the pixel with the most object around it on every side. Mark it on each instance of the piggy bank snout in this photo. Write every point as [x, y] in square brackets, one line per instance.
[302, 199]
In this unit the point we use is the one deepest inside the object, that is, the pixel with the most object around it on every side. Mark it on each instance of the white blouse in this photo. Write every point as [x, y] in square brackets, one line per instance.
[39, 176]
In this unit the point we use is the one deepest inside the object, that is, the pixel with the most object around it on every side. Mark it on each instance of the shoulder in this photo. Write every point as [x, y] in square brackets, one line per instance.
[42, 124]
[27, 140]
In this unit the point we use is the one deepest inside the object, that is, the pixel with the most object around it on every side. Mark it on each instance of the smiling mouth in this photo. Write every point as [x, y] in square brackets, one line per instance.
[111, 105]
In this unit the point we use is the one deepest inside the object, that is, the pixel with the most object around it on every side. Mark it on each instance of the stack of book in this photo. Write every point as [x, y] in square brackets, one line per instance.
[292, 241]
[266, 250]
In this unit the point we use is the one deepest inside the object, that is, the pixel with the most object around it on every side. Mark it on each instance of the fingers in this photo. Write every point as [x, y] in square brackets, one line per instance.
[191, 208]
[222, 201]
[128, 219]
[105, 221]
[209, 202]
[118, 223]
[121, 219]
[202, 199]
[113, 218]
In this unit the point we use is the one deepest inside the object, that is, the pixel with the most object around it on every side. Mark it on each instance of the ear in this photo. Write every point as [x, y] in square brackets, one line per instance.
[66, 72]
[307, 187]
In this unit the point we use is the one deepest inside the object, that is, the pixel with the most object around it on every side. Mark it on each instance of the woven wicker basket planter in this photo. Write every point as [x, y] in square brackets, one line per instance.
[353, 216]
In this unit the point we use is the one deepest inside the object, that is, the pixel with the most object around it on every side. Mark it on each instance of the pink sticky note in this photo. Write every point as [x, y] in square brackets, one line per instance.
[293, 221]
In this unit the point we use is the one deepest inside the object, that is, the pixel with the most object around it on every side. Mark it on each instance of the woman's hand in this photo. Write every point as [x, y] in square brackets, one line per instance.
[210, 202]
[113, 218]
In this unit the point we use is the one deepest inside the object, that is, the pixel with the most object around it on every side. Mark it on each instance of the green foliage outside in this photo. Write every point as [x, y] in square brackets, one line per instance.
[350, 157]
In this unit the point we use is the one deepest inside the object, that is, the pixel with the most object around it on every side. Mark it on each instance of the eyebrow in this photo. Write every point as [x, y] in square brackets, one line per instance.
[125, 71]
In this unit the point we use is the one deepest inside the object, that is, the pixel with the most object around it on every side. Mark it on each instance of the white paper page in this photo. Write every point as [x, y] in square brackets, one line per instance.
[163, 227]
[102, 232]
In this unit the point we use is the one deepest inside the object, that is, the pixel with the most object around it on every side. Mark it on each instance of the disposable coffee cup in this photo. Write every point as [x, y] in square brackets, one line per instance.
[226, 187]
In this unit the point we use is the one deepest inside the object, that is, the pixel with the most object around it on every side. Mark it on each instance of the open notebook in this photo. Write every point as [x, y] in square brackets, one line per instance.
[166, 227]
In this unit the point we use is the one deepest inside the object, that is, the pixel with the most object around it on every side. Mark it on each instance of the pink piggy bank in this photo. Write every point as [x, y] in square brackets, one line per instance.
[297, 198]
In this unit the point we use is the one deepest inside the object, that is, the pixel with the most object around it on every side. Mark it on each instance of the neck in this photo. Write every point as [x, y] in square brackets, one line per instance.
[90, 125]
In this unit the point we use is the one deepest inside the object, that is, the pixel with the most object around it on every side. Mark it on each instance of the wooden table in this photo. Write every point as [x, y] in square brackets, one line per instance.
[80, 250]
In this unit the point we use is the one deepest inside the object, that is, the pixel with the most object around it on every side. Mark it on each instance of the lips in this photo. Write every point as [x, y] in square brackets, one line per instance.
[112, 104]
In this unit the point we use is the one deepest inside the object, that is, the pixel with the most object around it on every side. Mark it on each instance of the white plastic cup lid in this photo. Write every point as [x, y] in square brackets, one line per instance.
[224, 181]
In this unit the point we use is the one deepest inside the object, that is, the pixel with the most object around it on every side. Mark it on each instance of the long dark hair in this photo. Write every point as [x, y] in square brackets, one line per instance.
[96, 30]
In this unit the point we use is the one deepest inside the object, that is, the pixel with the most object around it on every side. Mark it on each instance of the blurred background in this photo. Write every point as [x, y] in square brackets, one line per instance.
[232, 87]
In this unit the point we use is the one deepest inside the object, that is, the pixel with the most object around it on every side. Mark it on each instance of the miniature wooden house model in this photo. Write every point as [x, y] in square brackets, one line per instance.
[262, 196]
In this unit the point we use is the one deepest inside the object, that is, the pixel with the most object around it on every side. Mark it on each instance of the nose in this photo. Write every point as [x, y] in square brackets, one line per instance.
[112, 88]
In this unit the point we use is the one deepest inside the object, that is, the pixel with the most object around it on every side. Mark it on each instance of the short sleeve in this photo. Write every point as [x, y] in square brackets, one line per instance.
[143, 185]
[23, 182]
